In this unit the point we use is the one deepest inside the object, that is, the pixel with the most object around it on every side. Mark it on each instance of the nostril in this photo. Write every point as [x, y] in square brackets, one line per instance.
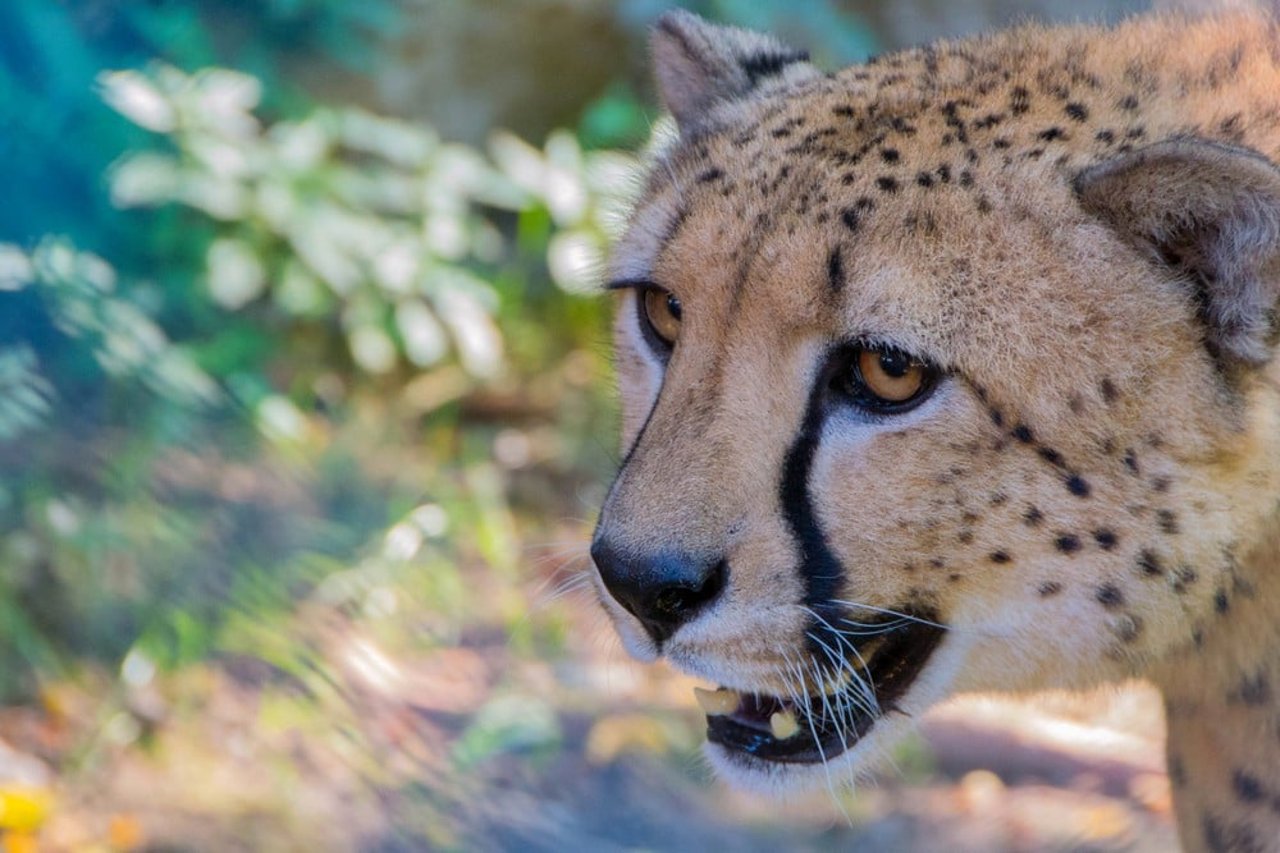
[661, 590]
[678, 602]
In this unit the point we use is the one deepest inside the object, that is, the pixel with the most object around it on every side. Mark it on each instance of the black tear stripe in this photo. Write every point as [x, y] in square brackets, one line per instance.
[821, 571]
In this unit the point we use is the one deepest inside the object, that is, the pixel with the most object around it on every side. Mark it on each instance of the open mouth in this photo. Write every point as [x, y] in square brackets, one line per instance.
[817, 727]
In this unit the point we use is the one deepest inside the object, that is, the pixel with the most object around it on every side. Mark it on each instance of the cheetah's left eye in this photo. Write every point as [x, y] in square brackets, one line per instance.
[884, 379]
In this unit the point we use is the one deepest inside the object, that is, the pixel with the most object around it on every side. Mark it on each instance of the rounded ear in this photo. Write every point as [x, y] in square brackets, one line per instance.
[699, 65]
[1211, 212]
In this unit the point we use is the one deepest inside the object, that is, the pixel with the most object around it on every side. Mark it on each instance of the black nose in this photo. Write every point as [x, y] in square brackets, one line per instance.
[663, 590]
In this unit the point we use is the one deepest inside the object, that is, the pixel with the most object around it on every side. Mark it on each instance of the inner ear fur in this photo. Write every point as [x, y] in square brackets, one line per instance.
[1212, 212]
[698, 65]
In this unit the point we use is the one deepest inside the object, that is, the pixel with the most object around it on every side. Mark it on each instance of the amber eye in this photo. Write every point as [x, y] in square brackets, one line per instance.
[884, 379]
[662, 312]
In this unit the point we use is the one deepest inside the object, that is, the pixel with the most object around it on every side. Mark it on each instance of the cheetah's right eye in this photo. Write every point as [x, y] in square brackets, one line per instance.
[661, 311]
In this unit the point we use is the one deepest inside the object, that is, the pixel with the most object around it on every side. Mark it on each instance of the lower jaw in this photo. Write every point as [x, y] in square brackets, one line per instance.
[762, 746]
[821, 737]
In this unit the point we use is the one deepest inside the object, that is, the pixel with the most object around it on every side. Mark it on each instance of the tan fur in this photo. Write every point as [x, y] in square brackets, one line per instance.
[1062, 339]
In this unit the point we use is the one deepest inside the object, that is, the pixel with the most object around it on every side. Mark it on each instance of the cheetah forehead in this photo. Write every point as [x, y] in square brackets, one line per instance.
[916, 193]
[1000, 121]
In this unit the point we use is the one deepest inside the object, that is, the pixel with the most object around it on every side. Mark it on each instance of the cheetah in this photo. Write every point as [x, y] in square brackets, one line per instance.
[956, 371]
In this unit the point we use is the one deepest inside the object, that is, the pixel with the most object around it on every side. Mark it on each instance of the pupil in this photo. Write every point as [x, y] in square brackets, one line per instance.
[673, 306]
[895, 364]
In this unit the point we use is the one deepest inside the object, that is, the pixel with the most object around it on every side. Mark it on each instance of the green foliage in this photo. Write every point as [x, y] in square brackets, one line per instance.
[205, 442]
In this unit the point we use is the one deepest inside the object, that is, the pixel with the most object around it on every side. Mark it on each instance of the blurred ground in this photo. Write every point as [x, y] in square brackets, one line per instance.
[473, 748]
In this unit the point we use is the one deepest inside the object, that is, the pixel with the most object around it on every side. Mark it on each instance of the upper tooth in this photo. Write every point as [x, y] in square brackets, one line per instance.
[717, 702]
[783, 724]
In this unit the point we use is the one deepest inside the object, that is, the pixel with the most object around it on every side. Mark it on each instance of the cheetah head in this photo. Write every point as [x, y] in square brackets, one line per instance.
[931, 383]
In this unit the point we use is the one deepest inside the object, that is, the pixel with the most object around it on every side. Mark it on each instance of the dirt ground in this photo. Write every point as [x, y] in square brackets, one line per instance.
[481, 745]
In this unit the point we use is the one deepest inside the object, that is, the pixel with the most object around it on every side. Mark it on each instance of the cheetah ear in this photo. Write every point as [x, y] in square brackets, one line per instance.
[699, 65]
[1212, 212]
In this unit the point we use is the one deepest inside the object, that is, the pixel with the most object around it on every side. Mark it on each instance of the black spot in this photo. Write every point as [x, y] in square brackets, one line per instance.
[1109, 391]
[769, 64]
[1053, 457]
[1000, 557]
[835, 270]
[1105, 538]
[997, 418]
[1033, 516]
[1160, 484]
[1128, 628]
[1019, 100]
[1076, 111]
[889, 155]
[1078, 486]
[902, 126]
[1051, 133]
[944, 173]
[1177, 772]
[1049, 588]
[1067, 543]
[864, 203]
[966, 178]
[984, 204]
[843, 110]
[1106, 136]
[849, 216]
[965, 537]
[924, 179]
[1131, 461]
[1023, 433]
[713, 174]
[1230, 838]
[1149, 563]
[1247, 787]
[887, 184]
[1184, 577]
[1135, 133]
[1109, 595]
[1254, 690]
[1001, 142]
[1220, 601]
[1168, 521]
[1128, 103]
[780, 133]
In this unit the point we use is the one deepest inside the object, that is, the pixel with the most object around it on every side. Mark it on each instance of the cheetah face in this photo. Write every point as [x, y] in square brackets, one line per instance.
[906, 415]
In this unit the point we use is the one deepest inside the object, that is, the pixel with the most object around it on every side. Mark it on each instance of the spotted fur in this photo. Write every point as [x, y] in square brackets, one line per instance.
[1081, 228]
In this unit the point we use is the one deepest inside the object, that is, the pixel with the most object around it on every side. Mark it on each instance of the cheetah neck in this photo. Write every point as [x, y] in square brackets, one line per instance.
[1222, 702]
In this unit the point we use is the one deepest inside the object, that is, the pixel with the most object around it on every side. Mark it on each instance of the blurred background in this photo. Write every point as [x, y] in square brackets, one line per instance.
[305, 413]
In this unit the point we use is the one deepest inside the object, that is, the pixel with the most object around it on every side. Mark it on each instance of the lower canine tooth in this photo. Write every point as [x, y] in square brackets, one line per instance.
[783, 724]
[717, 702]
